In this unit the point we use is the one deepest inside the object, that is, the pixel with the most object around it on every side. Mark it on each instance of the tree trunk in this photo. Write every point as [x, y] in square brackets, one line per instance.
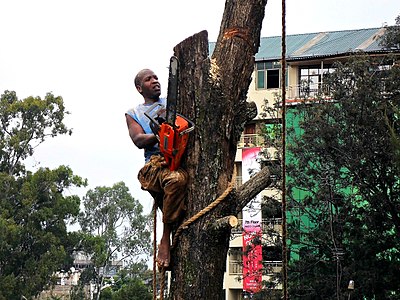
[213, 95]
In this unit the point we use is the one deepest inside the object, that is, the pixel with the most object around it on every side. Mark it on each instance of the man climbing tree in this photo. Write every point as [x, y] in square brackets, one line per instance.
[166, 186]
[212, 94]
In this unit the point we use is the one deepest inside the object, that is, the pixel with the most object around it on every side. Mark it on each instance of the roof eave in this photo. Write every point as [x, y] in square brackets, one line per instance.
[332, 55]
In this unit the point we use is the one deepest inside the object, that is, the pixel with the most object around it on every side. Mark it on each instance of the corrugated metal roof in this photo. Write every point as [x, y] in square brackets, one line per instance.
[340, 42]
[301, 46]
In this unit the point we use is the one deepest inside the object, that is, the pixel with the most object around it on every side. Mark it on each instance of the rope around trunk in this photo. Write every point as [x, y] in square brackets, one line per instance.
[205, 210]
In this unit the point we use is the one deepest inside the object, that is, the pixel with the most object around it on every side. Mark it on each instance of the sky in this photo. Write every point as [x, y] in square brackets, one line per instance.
[88, 52]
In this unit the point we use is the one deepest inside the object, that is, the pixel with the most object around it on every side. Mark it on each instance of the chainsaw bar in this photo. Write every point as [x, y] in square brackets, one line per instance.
[172, 94]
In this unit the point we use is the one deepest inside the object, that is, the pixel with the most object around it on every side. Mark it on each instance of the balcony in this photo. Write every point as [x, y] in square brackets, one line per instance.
[235, 267]
[272, 267]
[256, 140]
[305, 91]
[269, 267]
[250, 140]
[266, 225]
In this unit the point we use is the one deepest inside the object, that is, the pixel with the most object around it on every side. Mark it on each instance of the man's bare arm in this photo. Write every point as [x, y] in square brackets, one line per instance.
[138, 137]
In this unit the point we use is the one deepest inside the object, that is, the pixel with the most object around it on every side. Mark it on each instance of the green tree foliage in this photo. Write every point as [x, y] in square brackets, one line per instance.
[132, 283]
[25, 124]
[119, 227]
[133, 289]
[34, 241]
[391, 38]
[346, 222]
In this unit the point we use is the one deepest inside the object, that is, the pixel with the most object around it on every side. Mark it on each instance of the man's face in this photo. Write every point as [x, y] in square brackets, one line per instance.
[150, 86]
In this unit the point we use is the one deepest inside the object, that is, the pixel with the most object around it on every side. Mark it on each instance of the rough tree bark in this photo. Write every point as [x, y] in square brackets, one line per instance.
[213, 94]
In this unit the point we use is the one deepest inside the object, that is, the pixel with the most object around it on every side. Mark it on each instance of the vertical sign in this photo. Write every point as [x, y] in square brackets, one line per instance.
[252, 234]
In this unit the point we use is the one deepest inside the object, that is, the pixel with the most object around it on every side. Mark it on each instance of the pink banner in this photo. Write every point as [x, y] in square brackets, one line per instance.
[252, 234]
[252, 262]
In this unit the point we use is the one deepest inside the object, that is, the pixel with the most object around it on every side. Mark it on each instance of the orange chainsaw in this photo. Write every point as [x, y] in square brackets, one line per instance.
[173, 132]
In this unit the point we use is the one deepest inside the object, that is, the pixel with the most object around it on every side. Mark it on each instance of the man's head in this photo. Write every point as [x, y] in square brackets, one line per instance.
[147, 84]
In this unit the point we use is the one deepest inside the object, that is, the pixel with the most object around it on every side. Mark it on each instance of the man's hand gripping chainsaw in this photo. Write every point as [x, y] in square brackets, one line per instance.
[173, 131]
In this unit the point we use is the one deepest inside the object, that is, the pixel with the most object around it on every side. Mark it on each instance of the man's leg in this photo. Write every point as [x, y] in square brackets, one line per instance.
[174, 187]
[174, 184]
[150, 179]
[163, 255]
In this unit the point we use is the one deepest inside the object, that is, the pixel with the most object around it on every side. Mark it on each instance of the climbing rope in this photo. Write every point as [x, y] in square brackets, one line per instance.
[179, 231]
[154, 250]
[162, 284]
[162, 270]
[284, 205]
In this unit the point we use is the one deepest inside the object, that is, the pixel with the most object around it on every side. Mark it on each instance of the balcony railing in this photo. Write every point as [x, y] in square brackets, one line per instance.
[270, 223]
[250, 140]
[239, 181]
[255, 140]
[235, 267]
[266, 225]
[269, 267]
[305, 91]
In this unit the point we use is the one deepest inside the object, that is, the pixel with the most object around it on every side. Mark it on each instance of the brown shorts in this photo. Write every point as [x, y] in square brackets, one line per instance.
[167, 187]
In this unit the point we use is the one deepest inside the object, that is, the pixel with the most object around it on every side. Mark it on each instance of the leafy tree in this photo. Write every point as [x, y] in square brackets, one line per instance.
[131, 283]
[344, 164]
[391, 38]
[34, 212]
[119, 227]
[133, 289]
[137, 270]
[25, 124]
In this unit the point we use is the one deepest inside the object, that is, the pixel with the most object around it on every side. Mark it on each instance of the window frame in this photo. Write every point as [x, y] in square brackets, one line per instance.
[262, 68]
[311, 79]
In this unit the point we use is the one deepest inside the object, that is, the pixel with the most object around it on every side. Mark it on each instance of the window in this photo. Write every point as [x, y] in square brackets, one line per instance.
[273, 78]
[311, 79]
[268, 75]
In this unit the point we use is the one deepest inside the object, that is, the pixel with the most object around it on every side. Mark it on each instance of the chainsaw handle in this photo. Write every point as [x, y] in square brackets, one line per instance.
[155, 128]
[154, 125]
[190, 128]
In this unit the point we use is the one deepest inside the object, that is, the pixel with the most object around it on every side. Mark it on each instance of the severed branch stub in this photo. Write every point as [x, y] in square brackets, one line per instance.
[252, 187]
[225, 222]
